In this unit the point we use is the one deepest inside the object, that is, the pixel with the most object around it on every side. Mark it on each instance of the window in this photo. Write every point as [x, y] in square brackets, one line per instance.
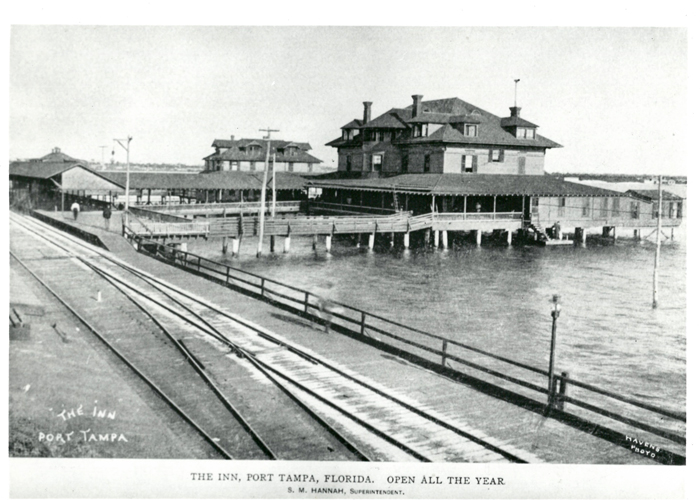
[616, 207]
[290, 166]
[585, 207]
[497, 155]
[525, 133]
[292, 151]
[470, 130]
[464, 163]
[604, 208]
[404, 163]
[237, 164]
[562, 206]
[420, 130]
[348, 163]
[426, 163]
[634, 208]
[522, 161]
[377, 162]
[311, 167]
[253, 165]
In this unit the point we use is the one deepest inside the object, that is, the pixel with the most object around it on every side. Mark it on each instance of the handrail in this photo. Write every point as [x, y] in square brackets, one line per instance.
[264, 287]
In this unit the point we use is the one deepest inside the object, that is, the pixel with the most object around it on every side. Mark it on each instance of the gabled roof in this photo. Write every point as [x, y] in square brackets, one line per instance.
[353, 124]
[234, 154]
[470, 185]
[491, 129]
[238, 143]
[516, 121]
[394, 118]
[209, 180]
[653, 195]
[57, 156]
[39, 169]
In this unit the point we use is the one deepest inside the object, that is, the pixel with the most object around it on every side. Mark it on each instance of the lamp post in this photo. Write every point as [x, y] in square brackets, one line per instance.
[556, 308]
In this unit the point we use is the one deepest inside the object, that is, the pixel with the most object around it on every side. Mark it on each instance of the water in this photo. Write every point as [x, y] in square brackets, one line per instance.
[497, 298]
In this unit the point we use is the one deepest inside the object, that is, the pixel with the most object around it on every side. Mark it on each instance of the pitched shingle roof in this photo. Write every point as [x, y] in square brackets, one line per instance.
[653, 195]
[209, 180]
[491, 129]
[470, 184]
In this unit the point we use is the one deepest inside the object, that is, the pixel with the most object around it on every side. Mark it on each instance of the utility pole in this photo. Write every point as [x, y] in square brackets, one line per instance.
[126, 147]
[657, 259]
[103, 155]
[263, 191]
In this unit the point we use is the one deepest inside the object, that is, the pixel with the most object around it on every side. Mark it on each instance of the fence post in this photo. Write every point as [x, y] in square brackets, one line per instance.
[262, 287]
[228, 269]
[306, 302]
[362, 325]
[199, 263]
[444, 352]
[562, 390]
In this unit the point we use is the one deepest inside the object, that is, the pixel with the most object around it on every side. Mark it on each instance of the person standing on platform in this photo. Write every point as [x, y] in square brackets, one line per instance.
[107, 215]
[75, 208]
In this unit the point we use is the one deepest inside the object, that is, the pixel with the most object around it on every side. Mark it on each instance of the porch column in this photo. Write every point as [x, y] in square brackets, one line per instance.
[328, 242]
[370, 244]
[272, 244]
[436, 237]
[314, 242]
[478, 237]
[149, 196]
[406, 240]
[444, 240]
[509, 237]
[224, 245]
[391, 241]
[287, 243]
[465, 203]
[358, 240]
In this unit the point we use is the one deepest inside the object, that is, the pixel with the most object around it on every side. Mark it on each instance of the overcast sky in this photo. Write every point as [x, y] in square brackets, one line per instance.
[615, 98]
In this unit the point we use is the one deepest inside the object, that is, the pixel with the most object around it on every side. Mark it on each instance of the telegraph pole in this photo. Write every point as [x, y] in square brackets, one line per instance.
[103, 155]
[263, 190]
[126, 147]
[657, 258]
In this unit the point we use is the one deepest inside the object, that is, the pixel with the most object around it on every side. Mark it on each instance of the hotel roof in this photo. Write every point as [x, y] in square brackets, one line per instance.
[470, 185]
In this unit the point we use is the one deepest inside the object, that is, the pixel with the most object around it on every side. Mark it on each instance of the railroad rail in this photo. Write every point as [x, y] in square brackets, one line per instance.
[605, 413]
[309, 379]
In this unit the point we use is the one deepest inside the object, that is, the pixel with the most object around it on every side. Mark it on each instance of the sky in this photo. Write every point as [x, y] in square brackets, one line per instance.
[615, 98]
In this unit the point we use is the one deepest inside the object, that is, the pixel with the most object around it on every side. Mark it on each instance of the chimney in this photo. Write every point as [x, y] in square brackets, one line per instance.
[232, 138]
[368, 112]
[416, 105]
[515, 112]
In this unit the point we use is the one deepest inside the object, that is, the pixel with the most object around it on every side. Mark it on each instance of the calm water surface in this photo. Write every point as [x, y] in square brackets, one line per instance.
[497, 298]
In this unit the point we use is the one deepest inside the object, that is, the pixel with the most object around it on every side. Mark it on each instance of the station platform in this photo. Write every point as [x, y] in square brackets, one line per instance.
[547, 439]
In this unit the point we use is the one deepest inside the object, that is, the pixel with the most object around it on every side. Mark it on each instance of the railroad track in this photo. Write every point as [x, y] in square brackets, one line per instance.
[366, 422]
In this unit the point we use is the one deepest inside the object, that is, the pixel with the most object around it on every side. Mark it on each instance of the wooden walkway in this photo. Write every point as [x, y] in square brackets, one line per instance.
[326, 225]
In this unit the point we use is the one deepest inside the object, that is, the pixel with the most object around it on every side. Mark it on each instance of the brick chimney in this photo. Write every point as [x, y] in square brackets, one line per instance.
[515, 112]
[416, 105]
[232, 138]
[367, 117]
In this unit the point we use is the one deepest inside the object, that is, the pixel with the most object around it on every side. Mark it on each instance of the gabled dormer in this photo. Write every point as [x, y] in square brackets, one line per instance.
[519, 128]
